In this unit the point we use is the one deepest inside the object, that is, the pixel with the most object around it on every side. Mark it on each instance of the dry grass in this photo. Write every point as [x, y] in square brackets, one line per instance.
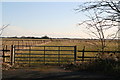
[89, 45]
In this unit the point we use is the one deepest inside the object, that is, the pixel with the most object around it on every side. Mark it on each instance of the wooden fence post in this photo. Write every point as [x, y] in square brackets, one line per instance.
[44, 55]
[3, 55]
[18, 44]
[12, 54]
[29, 55]
[83, 54]
[75, 54]
[59, 55]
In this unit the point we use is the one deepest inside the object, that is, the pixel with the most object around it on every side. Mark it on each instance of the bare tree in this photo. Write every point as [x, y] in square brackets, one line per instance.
[102, 16]
[109, 7]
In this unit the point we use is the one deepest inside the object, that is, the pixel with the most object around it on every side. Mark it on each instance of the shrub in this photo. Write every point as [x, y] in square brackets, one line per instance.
[107, 66]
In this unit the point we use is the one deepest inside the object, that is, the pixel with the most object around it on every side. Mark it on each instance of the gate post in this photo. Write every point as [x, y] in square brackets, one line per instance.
[44, 55]
[12, 56]
[83, 54]
[75, 54]
[59, 55]
[3, 55]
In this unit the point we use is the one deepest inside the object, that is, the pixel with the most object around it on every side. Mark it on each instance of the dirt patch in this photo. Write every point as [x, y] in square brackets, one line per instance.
[50, 73]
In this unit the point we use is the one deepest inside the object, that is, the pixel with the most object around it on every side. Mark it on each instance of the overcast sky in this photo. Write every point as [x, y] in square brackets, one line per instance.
[54, 19]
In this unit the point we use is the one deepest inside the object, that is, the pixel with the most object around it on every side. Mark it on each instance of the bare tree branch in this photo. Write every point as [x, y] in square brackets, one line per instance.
[3, 27]
[103, 15]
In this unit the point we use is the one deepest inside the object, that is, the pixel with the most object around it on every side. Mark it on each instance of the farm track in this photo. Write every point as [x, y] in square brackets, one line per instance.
[44, 43]
[55, 73]
[37, 45]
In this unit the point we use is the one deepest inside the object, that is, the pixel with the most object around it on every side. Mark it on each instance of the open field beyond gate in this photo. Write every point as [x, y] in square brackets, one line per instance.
[57, 51]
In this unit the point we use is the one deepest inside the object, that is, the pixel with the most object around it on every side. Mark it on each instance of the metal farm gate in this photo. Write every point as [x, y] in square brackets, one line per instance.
[36, 55]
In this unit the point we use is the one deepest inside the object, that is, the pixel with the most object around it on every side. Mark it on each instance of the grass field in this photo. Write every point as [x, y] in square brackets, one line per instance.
[80, 43]
[88, 44]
